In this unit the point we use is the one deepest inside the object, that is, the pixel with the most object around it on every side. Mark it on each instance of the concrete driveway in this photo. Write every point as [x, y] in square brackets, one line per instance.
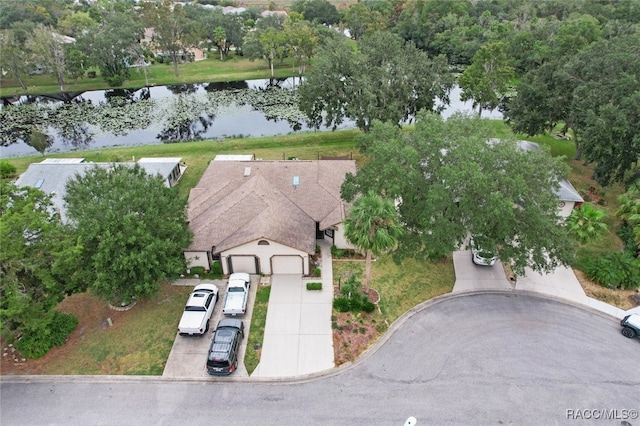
[189, 353]
[470, 276]
[561, 282]
[297, 338]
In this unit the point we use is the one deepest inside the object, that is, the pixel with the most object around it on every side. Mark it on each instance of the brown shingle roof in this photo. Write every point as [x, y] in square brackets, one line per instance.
[227, 208]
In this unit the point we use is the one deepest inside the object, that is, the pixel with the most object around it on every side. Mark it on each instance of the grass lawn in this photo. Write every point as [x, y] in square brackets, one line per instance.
[256, 335]
[401, 286]
[138, 343]
[205, 71]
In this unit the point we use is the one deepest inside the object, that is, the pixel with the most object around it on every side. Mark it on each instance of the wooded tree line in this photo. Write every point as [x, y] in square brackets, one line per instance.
[573, 64]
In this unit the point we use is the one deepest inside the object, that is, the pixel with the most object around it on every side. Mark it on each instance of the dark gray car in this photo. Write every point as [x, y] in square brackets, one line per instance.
[222, 359]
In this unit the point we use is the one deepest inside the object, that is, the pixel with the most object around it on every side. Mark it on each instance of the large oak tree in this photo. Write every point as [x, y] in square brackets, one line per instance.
[450, 181]
[382, 78]
[132, 229]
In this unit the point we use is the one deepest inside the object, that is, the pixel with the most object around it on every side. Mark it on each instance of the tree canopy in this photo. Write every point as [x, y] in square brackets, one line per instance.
[173, 33]
[487, 78]
[605, 106]
[112, 46]
[399, 81]
[32, 237]
[132, 229]
[449, 181]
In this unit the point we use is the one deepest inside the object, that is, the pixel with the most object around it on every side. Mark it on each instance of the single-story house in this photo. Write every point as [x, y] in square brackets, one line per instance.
[51, 175]
[568, 197]
[264, 217]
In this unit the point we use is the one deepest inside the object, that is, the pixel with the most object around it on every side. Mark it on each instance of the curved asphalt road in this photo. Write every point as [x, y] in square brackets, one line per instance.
[492, 358]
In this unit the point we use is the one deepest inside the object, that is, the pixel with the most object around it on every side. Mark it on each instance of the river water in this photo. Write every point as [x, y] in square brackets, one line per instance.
[161, 114]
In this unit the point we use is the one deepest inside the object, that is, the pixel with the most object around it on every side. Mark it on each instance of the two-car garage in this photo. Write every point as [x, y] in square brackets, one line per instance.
[265, 257]
[279, 264]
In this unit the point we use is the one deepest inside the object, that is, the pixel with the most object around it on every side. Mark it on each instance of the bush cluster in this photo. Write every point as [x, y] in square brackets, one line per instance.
[352, 299]
[615, 270]
[36, 345]
[314, 286]
[628, 237]
[216, 268]
[7, 169]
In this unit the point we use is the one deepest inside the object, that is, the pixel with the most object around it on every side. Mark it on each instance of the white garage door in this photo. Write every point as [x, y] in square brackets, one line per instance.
[286, 265]
[248, 264]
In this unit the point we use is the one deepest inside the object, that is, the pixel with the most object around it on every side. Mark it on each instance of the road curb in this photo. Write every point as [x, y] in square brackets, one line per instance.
[311, 376]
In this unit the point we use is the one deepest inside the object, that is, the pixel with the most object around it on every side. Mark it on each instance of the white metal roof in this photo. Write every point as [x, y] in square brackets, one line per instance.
[233, 157]
[62, 161]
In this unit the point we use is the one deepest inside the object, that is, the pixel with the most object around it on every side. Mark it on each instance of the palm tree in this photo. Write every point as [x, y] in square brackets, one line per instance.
[372, 226]
[586, 223]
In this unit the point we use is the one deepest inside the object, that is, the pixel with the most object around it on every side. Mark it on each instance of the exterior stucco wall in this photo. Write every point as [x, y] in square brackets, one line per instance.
[565, 211]
[339, 240]
[264, 253]
[202, 259]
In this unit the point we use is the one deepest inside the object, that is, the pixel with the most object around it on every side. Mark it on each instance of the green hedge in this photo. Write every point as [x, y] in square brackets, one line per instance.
[615, 270]
[36, 345]
[314, 286]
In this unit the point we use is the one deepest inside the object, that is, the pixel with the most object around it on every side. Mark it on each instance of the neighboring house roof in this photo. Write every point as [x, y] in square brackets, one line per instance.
[234, 157]
[230, 10]
[236, 202]
[266, 13]
[566, 191]
[51, 175]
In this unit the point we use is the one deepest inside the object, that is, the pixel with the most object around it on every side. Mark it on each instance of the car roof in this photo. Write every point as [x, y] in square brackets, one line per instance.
[206, 287]
[200, 295]
[634, 319]
[219, 351]
[239, 276]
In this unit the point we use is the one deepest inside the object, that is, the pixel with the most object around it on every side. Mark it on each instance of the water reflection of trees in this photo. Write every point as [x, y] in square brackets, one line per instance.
[70, 130]
[188, 115]
[177, 89]
[187, 118]
[226, 85]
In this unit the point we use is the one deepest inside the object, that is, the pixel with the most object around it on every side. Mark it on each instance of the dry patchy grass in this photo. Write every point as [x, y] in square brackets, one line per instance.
[139, 341]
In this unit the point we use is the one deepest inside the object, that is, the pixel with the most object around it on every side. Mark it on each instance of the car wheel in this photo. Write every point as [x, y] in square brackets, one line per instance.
[628, 332]
[206, 329]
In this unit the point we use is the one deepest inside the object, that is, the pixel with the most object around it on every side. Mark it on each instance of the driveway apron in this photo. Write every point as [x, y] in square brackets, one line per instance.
[297, 338]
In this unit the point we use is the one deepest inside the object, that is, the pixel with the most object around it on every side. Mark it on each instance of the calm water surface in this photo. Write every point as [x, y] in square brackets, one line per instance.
[174, 113]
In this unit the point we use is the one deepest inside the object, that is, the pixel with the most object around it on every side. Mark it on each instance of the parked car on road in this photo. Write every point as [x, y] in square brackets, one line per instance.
[631, 326]
[235, 302]
[197, 312]
[223, 352]
[480, 255]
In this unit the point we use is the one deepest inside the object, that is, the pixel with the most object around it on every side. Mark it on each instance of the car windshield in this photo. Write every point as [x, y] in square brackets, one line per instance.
[195, 309]
[235, 289]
